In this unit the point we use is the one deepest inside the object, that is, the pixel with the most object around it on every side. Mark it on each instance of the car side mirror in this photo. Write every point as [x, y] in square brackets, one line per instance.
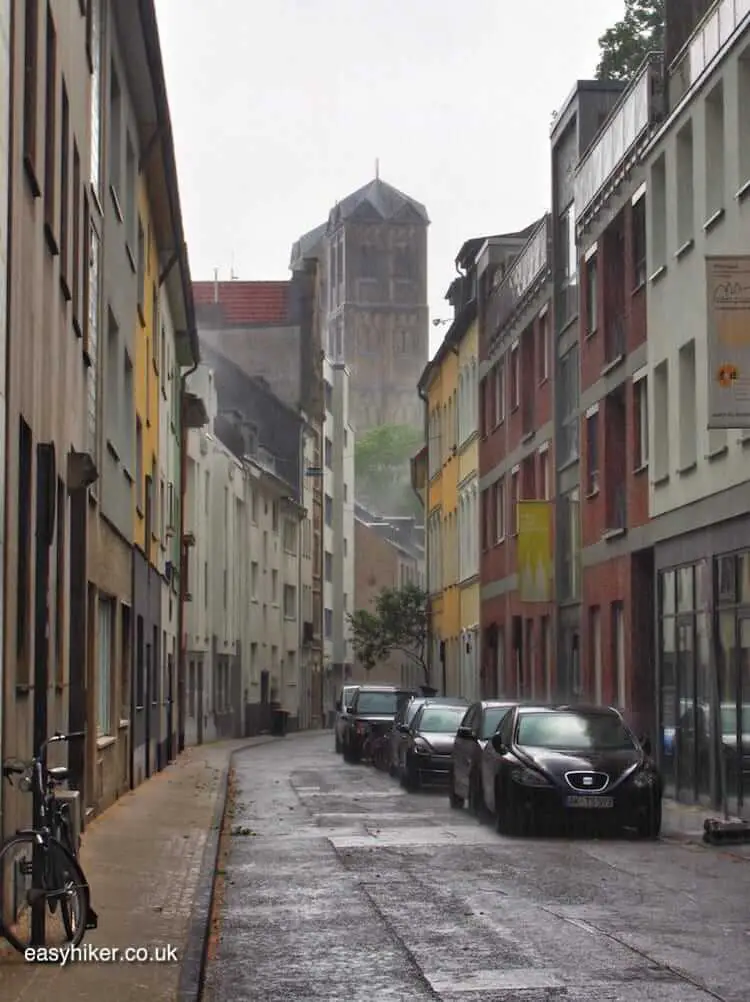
[646, 745]
[466, 733]
[403, 728]
[498, 745]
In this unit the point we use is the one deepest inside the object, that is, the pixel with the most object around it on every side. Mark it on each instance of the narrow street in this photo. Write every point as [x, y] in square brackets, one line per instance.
[339, 885]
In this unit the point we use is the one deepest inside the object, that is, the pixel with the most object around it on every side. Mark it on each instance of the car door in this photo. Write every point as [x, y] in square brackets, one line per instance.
[492, 762]
[463, 751]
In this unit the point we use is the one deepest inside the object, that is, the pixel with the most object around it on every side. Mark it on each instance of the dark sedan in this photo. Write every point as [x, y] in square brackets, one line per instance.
[370, 716]
[429, 744]
[399, 737]
[570, 763]
[480, 723]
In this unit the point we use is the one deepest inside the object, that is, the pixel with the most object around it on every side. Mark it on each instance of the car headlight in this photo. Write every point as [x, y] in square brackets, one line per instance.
[529, 777]
[644, 778]
[421, 746]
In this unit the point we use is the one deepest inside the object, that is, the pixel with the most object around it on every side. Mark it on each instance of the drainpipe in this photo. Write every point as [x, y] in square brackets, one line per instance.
[428, 653]
[183, 566]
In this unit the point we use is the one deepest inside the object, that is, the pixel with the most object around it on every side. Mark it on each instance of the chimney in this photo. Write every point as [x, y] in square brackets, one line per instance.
[216, 285]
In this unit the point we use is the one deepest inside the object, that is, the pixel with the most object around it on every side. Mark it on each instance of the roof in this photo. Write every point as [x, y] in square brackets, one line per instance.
[258, 304]
[381, 198]
[306, 245]
[466, 257]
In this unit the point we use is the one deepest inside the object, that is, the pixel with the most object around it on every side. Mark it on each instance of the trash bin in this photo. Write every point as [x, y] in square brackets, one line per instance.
[278, 721]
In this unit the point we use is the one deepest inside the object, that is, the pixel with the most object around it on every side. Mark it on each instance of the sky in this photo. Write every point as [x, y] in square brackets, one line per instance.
[281, 108]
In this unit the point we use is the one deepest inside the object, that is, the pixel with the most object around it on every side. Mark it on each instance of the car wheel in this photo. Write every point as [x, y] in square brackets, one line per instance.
[392, 770]
[339, 748]
[650, 826]
[476, 799]
[456, 802]
[410, 777]
[508, 817]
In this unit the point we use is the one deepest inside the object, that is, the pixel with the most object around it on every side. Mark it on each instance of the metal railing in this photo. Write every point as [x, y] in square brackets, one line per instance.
[510, 290]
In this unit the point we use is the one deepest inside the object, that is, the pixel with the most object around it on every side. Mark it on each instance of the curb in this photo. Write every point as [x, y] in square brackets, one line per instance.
[193, 967]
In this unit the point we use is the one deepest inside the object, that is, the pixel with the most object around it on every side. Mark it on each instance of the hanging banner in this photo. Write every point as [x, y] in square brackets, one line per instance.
[728, 334]
[535, 551]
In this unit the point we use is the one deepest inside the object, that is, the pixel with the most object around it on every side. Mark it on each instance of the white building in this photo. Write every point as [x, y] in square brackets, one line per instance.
[4, 160]
[338, 525]
[242, 620]
[698, 192]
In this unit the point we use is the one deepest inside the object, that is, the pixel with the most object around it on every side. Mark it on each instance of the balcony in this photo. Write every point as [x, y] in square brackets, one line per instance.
[709, 40]
[512, 288]
[618, 142]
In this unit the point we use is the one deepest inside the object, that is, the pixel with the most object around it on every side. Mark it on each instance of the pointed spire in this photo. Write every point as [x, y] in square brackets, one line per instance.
[377, 168]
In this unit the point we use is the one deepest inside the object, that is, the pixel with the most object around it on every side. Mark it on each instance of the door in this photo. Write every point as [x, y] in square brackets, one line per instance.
[199, 702]
[147, 709]
[170, 708]
[685, 731]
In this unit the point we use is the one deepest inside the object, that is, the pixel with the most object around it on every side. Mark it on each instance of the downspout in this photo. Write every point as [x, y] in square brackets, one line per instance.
[181, 646]
[428, 653]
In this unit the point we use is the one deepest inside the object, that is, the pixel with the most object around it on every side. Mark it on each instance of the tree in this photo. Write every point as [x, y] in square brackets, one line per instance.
[382, 471]
[398, 624]
[625, 45]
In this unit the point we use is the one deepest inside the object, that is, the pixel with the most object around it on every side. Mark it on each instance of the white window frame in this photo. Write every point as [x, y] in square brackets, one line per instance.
[500, 516]
[546, 477]
[500, 392]
[640, 391]
[515, 485]
[105, 633]
[544, 321]
[515, 376]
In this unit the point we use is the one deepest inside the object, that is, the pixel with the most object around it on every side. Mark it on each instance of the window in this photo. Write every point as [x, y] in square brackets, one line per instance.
[640, 422]
[30, 85]
[328, 565]
[569, 400]
[274, 587]
[254, 579]
[131, 195]
[290, 536]
[60, 524]
[499, 511]
[592, 452]
[328, 395]
[328, 623]
[714, 163]
[514, 502]
[743, 95]
[141, 266]
[139, 466]
[275, 517]
[77, 249]
[544, 474]
[687, 408]
[639, 241]
[499, 389]
[104, 667]
[685, 186]
[65, 193]
[50, 127]
[23, 569]
[592, 299]
[661, 420]
[115, 138]
[290, 602]
[658, 201]
[544, 348]
[328, 452]
[125, 657]
[515, 377]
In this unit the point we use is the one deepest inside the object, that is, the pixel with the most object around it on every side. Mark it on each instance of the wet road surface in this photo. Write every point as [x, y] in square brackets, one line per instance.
[344, 887]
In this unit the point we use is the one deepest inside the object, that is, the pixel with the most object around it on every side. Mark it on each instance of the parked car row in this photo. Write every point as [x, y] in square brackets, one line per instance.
[523, 765]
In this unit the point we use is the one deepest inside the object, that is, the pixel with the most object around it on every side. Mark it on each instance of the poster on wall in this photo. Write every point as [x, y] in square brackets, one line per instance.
[728, 335]
[535, 551]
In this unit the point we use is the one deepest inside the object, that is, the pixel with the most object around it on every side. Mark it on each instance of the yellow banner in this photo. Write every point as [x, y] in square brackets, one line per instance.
[535, 551]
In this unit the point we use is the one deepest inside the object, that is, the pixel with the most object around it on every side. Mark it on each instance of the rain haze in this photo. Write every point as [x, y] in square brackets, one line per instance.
[279, 110]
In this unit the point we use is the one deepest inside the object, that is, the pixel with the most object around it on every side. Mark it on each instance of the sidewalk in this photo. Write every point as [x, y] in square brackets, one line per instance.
[149, 860]
[684, 823]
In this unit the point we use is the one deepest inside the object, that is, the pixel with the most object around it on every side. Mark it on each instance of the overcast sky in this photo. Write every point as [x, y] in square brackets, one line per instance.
[280, 109]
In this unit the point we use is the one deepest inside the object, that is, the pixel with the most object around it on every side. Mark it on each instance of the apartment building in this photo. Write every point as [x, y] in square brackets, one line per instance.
[698, 220]
[45, 464]
[4, 195]
[610, 210]
[338, 527]
[516, 457]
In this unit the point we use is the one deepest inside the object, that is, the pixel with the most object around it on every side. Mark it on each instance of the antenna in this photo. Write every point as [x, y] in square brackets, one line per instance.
[377, 168]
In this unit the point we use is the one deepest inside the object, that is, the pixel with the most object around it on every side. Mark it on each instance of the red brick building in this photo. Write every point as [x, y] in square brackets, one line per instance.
[516, 463]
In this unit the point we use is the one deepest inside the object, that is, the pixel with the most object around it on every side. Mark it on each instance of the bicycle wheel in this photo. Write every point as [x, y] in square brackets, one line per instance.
[64, 838]
[64, 885]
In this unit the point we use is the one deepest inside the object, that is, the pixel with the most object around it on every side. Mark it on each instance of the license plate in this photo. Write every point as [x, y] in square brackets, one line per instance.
[590, 802]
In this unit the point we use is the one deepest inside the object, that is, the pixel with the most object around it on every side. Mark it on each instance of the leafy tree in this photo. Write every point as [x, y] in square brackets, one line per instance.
[625, 45]
[381, 465]
[398, 624]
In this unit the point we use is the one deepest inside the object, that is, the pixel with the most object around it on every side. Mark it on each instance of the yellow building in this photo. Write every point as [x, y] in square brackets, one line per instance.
[448, 387]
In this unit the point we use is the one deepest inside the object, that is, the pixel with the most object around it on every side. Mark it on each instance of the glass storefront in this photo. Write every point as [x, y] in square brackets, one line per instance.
[704, 701]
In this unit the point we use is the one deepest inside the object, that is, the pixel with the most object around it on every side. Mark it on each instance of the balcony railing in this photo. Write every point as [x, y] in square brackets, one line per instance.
[710, 38]
[614, 339]
[511, 288]
[639, 107]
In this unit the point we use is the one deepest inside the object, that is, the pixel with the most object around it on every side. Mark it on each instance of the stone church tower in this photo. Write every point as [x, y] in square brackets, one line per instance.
[372, 254]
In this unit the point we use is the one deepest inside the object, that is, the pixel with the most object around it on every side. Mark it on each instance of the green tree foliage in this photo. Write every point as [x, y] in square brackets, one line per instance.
[398, 624]
[625, 45]
[382, 472]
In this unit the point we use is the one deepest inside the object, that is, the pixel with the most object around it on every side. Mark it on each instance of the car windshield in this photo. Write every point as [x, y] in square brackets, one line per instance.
[570, 731]
[379, 703]
[729, 718]
[349, 695]
[442, 719]
[493, 717]
[412, 709]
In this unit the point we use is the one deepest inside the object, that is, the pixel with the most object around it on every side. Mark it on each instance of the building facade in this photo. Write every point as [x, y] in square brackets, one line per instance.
[698, 221]
[338, 528]
[373, 254]
[516, 457]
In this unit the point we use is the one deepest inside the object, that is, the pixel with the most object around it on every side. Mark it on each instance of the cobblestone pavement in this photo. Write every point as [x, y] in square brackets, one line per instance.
[143, 860]
[341, 886]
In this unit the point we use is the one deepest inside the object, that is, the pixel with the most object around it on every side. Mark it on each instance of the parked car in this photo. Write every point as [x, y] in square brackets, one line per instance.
[399, 737]
[481, 721]
[342, 711]
[371, 715]
[429, 742]
[565, 763]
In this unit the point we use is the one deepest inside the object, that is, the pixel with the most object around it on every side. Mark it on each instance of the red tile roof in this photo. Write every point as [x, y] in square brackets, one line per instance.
[252, 303]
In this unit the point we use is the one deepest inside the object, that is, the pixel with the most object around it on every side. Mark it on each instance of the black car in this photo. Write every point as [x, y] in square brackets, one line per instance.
[554, 763]
[429, 743]
[477, 727]
[342, 712]
[399, 738]
[371, 715]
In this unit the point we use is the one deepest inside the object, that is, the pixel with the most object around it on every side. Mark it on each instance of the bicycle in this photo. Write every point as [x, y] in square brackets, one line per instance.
[48, 871]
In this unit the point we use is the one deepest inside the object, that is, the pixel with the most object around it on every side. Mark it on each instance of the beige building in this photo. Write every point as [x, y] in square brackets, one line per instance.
[381, 562]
